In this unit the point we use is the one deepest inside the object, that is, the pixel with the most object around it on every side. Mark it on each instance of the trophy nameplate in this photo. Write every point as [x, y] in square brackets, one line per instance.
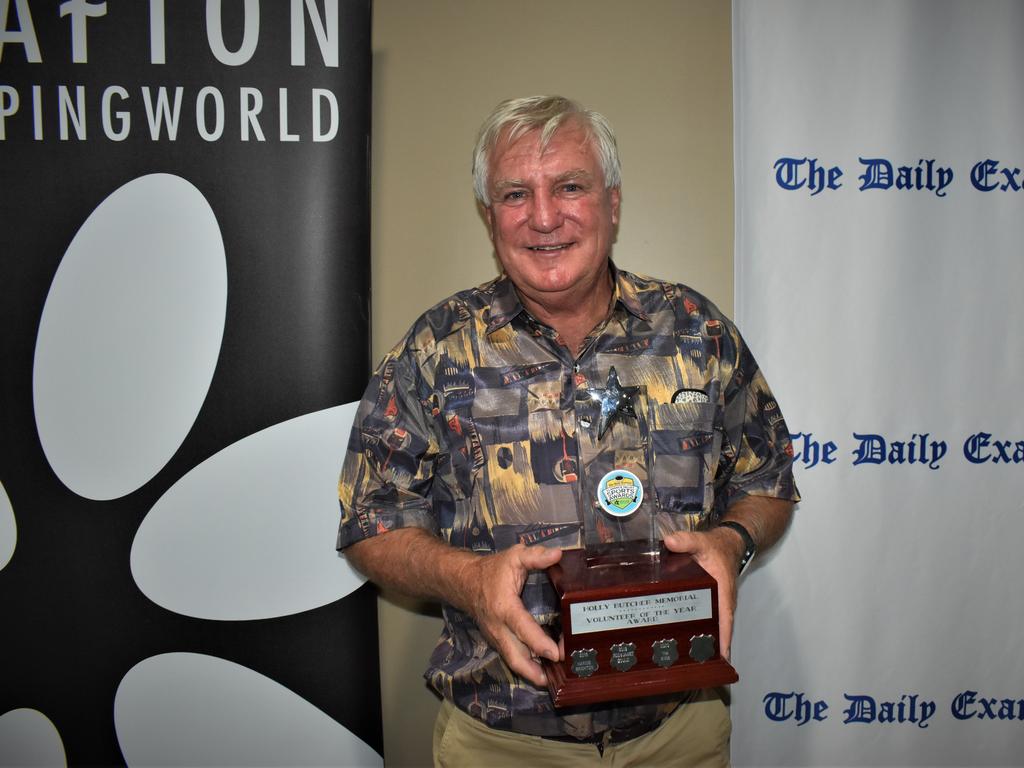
[635, 619]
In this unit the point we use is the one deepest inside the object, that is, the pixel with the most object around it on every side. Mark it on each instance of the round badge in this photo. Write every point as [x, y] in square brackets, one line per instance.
[620, 492]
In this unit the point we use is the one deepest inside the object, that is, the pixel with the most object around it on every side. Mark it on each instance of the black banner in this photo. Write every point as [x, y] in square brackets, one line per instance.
[115, 119]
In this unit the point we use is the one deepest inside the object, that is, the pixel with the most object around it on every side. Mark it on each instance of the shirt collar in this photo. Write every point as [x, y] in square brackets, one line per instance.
[626, 293]
[505, 303]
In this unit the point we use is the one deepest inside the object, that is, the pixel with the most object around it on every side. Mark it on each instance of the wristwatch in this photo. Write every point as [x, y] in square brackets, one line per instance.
[749, 547]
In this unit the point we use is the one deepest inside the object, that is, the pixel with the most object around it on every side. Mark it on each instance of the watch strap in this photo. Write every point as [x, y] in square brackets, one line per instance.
[749, 547]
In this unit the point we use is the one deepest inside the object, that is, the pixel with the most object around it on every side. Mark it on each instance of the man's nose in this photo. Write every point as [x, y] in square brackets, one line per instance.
[545, 215]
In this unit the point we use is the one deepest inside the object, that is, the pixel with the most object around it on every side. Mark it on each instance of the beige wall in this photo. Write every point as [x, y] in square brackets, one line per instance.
[660, 70]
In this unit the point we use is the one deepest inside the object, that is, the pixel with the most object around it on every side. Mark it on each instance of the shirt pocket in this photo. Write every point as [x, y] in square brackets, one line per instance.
[684, 447]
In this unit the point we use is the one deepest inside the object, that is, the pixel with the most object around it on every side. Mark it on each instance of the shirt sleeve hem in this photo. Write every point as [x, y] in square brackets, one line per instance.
[366, 525]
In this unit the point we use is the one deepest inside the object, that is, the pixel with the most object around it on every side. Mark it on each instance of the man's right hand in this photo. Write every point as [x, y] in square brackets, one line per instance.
[495, 583]
[487, 587]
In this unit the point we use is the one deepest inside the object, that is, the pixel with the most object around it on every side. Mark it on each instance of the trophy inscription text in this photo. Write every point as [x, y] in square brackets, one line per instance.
[643, 611]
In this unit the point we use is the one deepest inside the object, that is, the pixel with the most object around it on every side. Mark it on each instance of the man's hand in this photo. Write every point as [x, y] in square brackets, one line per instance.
[716, 552]
[487, 587]
[719, 550]
[493, 600]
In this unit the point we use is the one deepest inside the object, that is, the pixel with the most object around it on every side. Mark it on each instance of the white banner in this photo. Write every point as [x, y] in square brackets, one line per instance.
[880, 222]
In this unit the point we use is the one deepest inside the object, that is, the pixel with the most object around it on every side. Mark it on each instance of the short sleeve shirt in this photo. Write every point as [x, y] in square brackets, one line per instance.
[470, 429]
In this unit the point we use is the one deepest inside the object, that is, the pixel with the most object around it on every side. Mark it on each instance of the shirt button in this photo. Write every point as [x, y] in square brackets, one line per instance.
[576, 368]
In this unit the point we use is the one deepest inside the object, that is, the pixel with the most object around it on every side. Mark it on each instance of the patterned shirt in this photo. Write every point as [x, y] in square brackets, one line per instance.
[477, 427]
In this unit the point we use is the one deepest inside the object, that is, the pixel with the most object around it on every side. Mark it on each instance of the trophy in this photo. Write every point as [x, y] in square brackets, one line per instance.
[636, 620]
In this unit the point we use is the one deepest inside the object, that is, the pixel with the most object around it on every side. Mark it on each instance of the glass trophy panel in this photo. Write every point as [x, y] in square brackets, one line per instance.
[617, 503]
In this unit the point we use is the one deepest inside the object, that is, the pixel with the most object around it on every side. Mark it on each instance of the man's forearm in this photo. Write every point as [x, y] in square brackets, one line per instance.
[417, 563]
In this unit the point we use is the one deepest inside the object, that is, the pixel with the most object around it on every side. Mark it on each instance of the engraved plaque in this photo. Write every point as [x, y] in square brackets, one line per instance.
[646, 610]
[665, 652]
[584, 662]
[623, 656]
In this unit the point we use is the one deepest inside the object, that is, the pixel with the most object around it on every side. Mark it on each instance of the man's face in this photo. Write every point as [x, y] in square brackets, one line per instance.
[551, 219]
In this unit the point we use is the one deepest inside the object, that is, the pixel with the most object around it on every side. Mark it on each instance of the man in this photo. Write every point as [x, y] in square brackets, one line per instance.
[461, 482]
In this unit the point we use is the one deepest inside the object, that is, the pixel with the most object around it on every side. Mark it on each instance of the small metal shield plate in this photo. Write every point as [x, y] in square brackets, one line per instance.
[584, 662]
[623, 656]
[665, 653]
[702, 647]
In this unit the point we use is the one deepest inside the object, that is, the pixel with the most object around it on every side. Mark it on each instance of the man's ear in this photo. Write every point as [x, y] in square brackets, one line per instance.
[616, 197]
[487, 214]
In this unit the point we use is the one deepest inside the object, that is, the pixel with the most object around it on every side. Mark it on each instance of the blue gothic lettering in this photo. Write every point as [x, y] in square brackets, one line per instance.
[782, 707]
[980, 448]
[879, 174]
[874, 449]
[988, 175]
[908, 709]
[968, 705]
[810, 452]
[791, 174]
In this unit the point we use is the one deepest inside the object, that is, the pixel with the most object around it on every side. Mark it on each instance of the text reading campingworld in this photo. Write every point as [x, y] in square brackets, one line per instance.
[73, 112]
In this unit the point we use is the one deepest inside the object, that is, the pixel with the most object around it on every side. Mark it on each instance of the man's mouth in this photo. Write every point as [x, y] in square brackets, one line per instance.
[548, 248]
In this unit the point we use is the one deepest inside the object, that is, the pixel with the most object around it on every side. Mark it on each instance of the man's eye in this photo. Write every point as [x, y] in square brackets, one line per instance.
[513, 195]
[572, 186]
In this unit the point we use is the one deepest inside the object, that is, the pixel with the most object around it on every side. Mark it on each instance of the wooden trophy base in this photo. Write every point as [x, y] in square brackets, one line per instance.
[633, 627]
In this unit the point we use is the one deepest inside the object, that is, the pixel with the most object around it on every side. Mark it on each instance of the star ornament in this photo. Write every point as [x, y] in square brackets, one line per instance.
[615, 399]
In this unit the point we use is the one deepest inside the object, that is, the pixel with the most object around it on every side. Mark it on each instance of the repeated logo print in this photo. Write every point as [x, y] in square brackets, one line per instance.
[128, 342]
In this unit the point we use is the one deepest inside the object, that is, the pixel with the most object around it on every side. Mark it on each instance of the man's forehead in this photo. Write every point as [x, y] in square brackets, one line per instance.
[529, 146]
[569, 130]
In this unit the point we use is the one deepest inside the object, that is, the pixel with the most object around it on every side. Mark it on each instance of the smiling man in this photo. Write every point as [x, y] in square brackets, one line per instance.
[461, 481]
[552, 220]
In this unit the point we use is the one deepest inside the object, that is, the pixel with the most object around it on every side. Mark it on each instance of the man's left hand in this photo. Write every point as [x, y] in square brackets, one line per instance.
[719, 550]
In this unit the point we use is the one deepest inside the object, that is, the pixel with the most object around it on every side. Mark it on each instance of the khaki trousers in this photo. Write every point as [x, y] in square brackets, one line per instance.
[697, 734]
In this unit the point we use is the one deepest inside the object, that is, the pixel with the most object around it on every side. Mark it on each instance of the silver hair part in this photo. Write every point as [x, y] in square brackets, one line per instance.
[514, 118]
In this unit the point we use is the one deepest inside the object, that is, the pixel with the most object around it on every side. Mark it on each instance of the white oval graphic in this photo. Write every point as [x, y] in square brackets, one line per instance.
[28, 738]
[189, 709]
[249, 533]
[129, 336]
[8, 529]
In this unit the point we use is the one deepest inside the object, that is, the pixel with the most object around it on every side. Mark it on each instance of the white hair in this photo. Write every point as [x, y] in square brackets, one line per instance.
[514, 118]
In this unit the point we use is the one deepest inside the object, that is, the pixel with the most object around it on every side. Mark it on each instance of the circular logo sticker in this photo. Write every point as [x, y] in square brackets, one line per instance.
[620, 492]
